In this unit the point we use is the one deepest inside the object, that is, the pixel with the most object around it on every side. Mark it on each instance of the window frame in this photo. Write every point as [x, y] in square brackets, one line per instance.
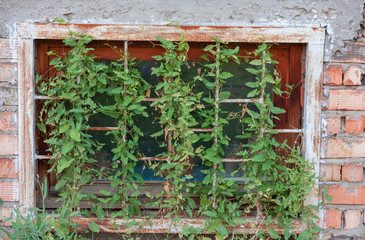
[313, 38]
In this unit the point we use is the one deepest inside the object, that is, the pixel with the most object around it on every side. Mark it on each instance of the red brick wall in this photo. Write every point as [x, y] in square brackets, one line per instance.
[9, 176]
[343, 144]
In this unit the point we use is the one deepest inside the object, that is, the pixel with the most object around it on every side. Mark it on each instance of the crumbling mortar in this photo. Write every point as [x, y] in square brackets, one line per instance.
[341, 161]
[344, 183]
[9, 204]
[9, 133]
[344, 207]
[361, 32]
[8, 60]
[9, 156]
[332, 113]
[343, 87]
[10, 180]
[349, 136]
[8, 109]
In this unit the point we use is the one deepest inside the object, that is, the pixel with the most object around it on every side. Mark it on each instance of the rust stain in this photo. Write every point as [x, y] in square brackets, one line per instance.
[192, 33]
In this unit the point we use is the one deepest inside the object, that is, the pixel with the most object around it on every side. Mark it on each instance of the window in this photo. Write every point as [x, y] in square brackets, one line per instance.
[288, 56]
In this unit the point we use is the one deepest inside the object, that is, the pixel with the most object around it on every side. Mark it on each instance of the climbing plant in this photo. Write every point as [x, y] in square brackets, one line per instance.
[275, 185]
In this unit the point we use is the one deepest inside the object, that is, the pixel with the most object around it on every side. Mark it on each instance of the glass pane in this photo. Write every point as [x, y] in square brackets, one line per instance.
[151, 147]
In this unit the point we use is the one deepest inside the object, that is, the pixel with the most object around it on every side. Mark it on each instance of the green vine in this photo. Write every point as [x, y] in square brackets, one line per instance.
[274, 185]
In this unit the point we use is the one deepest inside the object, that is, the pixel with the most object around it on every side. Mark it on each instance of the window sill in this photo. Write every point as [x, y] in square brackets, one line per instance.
[168, 225]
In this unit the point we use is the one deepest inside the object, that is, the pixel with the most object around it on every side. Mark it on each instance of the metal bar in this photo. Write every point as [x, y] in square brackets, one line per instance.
[239, 100]
[152, 159]
[124, 137]
[139, 158]
[289, 130]
[216, 118]
[38, 97]
[42, 156]
[202, 129]
[149, 99]
[103, 128]
[234, 160]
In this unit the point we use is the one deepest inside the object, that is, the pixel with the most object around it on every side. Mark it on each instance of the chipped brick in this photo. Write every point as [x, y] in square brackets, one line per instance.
[352, 76]
[8, 168]
[8, 121]
[333, 75]
[353, 172]
[346, 99]
[351, 219]
[345, 148]
[334, 125]
[333, 219]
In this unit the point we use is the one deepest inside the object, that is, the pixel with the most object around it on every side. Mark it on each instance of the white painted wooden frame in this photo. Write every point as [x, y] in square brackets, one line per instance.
[312, 37]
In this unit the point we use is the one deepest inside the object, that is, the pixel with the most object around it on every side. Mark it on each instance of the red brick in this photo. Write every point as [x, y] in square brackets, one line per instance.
[351, 219]
[353, 172]
[354, 124]
[8, 48]
[8, 145]
[345, 148]
[9, 191]
[8, 168]
[329, 172]
[8, 121]
[347, 195]
[8, 72]
[5, 212]
[352, 76]
[333, 75]
[334, 125]
[333, 219]
[346, 99]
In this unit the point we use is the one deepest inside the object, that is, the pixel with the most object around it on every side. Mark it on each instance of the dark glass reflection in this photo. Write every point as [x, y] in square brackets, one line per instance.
[150, 146]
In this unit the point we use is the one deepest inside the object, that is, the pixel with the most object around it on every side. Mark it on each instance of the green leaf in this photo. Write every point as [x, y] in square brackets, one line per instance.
[256, 62]
[225, 75]
[252, 70]
[94, 227]
[239, 220]
[328, 198]
[276, 110]
[105, 192]
[63, 164]
[63, 128]
[273, 234]
[55, 61]
[251, 84]
[259, 158]
[266, 165]
[157, 134]
[41, 127]
[268, 78]
[67, 146]
[75, 135]
[209, 213]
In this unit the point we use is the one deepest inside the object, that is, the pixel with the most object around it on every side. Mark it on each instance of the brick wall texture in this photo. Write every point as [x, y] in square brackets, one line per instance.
[343, 144]
[343, 158]
[9, 175]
